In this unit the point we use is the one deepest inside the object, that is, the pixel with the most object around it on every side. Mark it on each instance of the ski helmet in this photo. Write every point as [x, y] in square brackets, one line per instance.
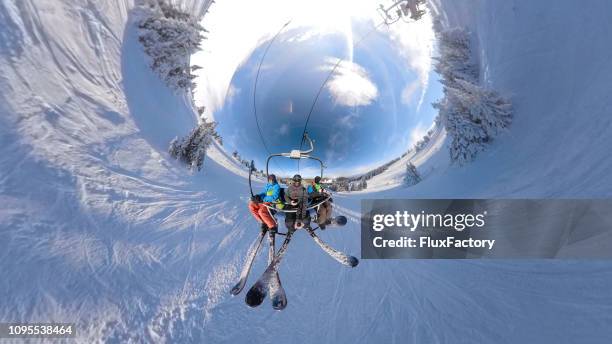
[297, 178]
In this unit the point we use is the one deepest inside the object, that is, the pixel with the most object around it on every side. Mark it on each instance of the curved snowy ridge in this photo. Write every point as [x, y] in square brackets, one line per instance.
[100, 227]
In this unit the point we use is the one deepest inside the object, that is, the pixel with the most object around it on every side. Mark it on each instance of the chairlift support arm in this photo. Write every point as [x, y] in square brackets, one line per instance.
[296, 154]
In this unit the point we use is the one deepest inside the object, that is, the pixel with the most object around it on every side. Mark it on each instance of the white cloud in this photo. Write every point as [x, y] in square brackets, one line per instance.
[337, 141]
[417, 133]
[232, 92]
[351, 84]
[237, 27]
[305, 36]
[356, 170]
[409, 91]
[415, 42]
[348, 121]
[283, 129]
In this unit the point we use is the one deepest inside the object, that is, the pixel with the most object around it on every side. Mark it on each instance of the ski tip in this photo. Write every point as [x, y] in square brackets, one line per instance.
[353, 262]
[235, 290]
[279, 305]
[254, 298]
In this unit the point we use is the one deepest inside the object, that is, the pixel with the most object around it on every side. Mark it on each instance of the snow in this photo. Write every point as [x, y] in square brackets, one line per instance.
[433, 156]
[98, 225]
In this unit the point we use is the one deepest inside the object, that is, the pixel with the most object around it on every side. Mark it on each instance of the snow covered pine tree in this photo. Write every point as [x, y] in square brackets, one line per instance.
[412, 175]
[192, 148]
[471, 114]
[363, 184]
[170, 37]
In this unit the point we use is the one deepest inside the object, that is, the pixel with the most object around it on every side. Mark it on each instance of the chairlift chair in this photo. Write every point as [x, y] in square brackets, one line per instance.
[295, 154]
[405, 10]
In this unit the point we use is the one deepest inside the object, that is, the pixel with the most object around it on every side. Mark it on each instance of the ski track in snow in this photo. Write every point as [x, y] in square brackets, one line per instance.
[99, 226]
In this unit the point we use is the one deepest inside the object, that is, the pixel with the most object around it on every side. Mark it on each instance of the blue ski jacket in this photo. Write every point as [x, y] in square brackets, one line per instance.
[314, 188]
[271, 193]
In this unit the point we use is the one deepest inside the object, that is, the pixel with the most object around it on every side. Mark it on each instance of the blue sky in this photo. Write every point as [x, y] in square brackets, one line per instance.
[362, 118]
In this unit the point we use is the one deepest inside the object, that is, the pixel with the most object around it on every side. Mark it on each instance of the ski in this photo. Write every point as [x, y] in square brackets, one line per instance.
[248, 264]
[275, 288]
[259, 290]
[337, 255]
[337, 221]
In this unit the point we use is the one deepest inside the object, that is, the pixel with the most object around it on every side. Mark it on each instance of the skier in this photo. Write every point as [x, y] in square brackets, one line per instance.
[412, 6]
[297, 197]
[269, 282]
[317, 194]
[269, 196]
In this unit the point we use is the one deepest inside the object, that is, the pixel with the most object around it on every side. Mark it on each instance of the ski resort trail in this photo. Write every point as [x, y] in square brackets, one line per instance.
[99, 226]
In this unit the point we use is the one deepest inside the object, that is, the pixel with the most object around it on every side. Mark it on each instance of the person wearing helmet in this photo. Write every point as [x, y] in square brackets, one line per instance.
[412, 7]
[317, 193]
[257, 206]
[297, 198]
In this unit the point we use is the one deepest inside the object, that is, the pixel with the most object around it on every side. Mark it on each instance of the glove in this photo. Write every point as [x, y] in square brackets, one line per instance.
[256, 199]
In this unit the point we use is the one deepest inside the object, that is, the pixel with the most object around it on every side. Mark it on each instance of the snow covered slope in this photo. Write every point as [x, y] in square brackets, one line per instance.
[432, 157]
[553, 60]
[99, 226]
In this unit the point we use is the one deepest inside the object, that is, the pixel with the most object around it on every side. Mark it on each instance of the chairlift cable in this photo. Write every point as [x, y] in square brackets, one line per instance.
[263, 141]
[329, 75]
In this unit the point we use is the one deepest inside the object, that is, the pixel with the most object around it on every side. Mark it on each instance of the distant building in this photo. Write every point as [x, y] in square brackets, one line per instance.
[326, 181]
